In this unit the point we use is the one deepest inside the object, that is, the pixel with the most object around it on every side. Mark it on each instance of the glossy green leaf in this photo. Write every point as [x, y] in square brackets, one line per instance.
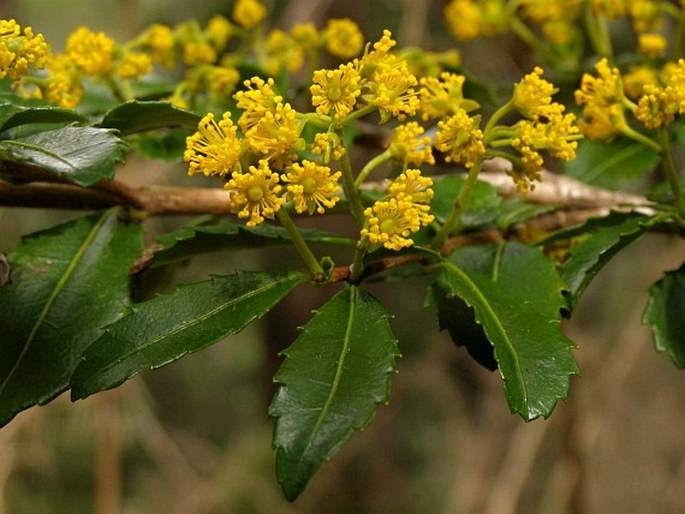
[136, 116]
[196, 238]
[66, 283]
[13, 115]
[534, 357]
[518, 210]
[609, 164]
[524, 272]
[333, 378]
[606, 237]
[665, 314]
[82, 155]
[191, 317]
[482, 207]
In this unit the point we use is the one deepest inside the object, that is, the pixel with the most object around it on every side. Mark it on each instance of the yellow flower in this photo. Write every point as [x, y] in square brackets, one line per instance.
[659, 105]
[392, 91]
[390, 223]
[460, 138]
[90, 51]
[312, 187]
[602, 97]
[306, 36]
[63, 85]
[255, 194]
[335, 92]
[533, 95]
[219, 30]
[327, 144]
[463, 19]
[248, 13]
[410, 186]
[258, 99]
[557, 135]
[646, 15]
[343, 38]
[409, 147]
[282, 52]
[443, 96]
[636, 78]
[545, 11]
[197, 52]
[19, 52]
[158, 40]
[221, 80]
[652, 45]
[215, 148]
[133, 65]
[277, 132]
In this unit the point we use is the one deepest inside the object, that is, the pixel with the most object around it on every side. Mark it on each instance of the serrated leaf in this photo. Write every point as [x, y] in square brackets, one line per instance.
[533, 356]
[194, 239]
[66, 284]
[665, 314]
[82, 155]
[523, 271]
[136, 116]
[482, 206]
[334, 376]
[188, 319]
[13, 115]
[607, 236]
[519, 210]
[609, 164]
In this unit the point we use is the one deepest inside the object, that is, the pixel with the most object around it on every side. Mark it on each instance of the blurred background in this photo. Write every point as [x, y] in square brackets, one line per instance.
[194, 438]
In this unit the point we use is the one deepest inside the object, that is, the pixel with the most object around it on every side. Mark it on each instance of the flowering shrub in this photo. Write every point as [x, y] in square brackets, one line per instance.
[254, 110]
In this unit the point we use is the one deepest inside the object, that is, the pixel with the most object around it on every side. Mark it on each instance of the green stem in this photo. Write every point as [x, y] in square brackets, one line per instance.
[528, 36]
[351, 190]
[453, 220]
[356, 114]
[633, 134]
[490, 128]
[370, 166]
[672, 173]
[300, 244]
[357, 267]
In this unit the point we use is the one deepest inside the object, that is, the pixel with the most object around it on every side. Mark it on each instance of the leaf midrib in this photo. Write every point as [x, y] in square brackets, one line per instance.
[68, 272]
[498, 325]
[336, 378]
[198, 320]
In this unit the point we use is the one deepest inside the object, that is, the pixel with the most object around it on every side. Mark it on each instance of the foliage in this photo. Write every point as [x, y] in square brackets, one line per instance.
[501, 282]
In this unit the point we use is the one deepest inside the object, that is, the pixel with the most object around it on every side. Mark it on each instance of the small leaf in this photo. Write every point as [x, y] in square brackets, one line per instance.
[136, 116]
[609, 164]
[334, 376]
[83, 155]
[665, 313]
[533, 356]
[191, 317]
[482, 207]
[194, 239]
[66, 283]
[607, 236]
[13, 115]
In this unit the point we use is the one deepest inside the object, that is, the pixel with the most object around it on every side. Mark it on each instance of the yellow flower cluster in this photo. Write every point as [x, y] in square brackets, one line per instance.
[469, 19]
[603, 102]
[20, 50]
[389, 222]
[410, 147]
[659, 104]
[460, 138]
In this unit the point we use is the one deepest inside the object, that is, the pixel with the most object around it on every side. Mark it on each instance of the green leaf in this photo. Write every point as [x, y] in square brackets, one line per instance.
[482, 207]
[665, 313]
[83, 155]
[524, 272]
[533, 356]
[194, 239]
[606, 237]
[518, 210]
[13, 115]
[166, 146]
[191, 317]
[610, 164]
[334, 376]
[66, 283]
[136, 116]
